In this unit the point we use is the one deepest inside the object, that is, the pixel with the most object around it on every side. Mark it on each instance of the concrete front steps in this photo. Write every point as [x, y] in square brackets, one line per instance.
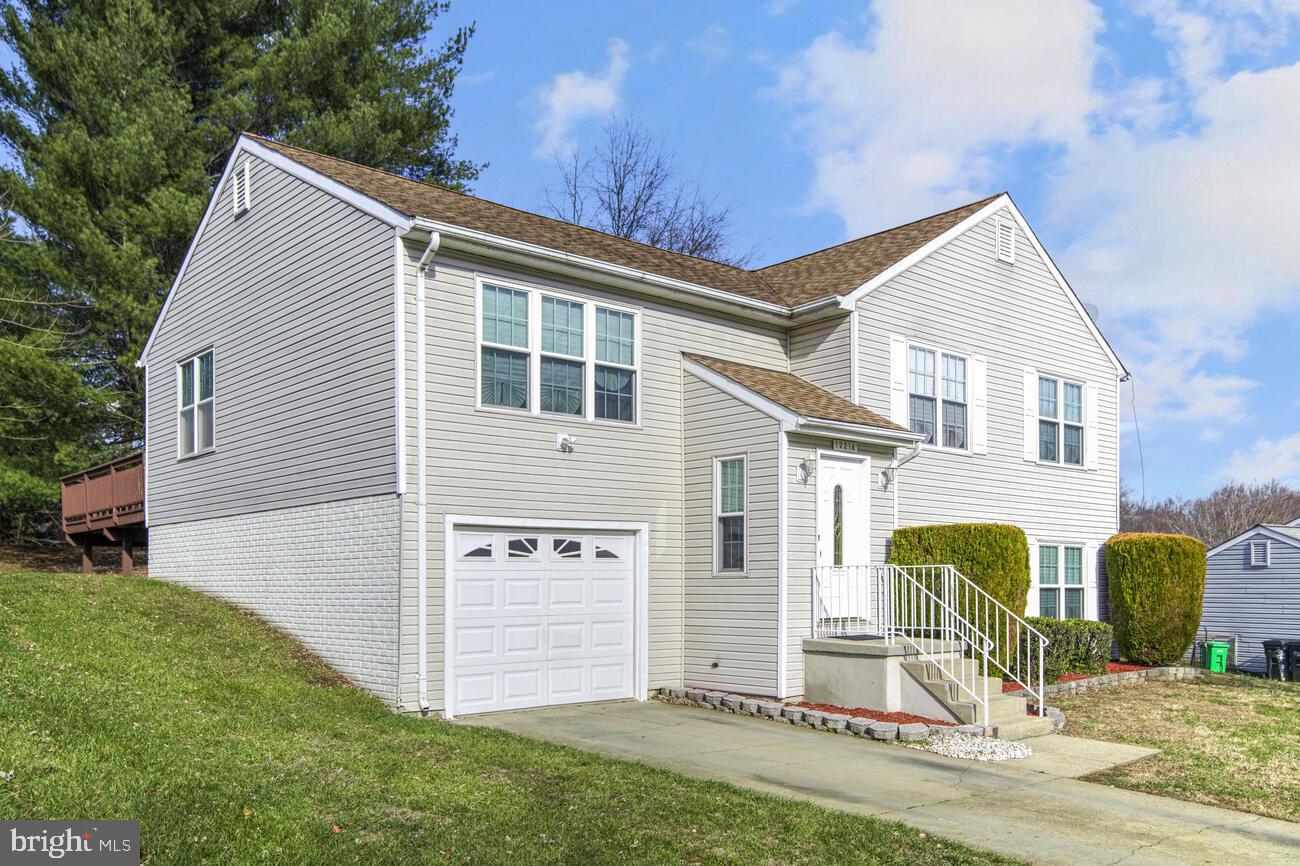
[1008, 714]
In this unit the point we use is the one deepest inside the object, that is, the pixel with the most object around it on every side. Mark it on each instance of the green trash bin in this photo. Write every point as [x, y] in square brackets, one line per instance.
[1214, 655]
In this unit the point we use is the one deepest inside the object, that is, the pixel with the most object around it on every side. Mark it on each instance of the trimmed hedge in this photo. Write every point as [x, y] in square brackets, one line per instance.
[995, 556]
[1077, 646]
[1157, 585]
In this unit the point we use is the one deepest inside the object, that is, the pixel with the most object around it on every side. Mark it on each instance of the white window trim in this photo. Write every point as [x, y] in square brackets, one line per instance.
[1087, 586]
[1267, 558]
[193, 359]
[242, 203]
[718, 514]
[1061, 423]
[938, 395]
[534, 353]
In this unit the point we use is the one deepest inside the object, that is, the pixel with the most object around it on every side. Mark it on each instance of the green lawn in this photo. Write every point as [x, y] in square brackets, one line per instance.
[130, 698]
[1226, 740]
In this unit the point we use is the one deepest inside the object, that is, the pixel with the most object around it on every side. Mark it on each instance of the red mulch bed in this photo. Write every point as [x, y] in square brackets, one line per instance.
[878, 715]
[1111, 668]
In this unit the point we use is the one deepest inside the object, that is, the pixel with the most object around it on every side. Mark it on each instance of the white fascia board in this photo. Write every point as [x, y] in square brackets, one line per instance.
[850, 300]
[535, 252]
[1255, 530]
[858, 432]
[1295, 522]
[789, 420]
[247, 146]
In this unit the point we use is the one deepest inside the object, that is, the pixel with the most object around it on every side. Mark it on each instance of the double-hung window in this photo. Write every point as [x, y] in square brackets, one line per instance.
[937, 396]
[1060, 421]
[1060, 581]
[196, 405]
[543, 353]
[729, 507]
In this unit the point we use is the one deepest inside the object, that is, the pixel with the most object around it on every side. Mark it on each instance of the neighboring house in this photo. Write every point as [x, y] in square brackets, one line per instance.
[477, 458]
[1252, 591]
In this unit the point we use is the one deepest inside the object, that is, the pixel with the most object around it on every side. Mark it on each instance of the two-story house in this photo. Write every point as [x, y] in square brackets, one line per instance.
[476, 458]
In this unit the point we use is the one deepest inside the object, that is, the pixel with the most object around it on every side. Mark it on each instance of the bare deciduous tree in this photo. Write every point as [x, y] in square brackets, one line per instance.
[1228, 511]
[630, 187]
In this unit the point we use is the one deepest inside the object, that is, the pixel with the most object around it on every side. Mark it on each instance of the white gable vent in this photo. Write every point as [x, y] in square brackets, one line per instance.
[1259, 554]
[241, 187]
[1005, 242]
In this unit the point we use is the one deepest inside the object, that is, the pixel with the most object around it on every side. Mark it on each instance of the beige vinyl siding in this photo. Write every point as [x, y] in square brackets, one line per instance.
[494, 463]
[959, 298]
[801, 544]
[1255, 604]
[730, 619]
[819, 352]
[295, 297]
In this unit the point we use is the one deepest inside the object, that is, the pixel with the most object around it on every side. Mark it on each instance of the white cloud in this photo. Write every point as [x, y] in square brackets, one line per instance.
[779, 7]
[713, 43]
[1175, 194]
[911, 119]
[572, 97]
[1266, 460]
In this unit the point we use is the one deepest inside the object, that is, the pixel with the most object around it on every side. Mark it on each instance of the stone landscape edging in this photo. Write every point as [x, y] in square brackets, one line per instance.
[835, 723]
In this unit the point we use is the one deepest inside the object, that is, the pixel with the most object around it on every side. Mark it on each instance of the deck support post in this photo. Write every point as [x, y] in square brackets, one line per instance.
[87, 558]
[128, 555]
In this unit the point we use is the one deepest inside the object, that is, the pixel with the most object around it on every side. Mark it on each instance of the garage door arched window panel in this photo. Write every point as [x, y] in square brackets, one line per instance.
[196, 405]
[729, 503]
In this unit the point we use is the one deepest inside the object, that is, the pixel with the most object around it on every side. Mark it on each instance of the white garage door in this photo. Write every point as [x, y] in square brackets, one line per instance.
[540, 618]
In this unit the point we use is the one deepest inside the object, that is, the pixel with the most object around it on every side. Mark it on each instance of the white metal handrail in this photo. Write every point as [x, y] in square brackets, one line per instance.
[934, 602]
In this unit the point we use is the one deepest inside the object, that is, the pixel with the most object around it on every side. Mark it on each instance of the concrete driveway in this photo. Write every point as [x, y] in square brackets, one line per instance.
[1033, 809]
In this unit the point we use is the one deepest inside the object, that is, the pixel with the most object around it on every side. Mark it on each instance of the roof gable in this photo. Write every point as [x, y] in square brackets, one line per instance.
[1284, 534]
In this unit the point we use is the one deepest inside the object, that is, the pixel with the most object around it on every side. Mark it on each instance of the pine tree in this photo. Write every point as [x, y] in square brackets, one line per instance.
[120, 114]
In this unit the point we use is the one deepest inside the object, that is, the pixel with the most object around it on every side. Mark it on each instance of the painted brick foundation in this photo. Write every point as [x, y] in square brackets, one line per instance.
[327, 574]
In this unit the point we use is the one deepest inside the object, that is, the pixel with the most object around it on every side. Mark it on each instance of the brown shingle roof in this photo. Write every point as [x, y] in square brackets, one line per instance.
[841, 269]
[798, 395]
[834, 271]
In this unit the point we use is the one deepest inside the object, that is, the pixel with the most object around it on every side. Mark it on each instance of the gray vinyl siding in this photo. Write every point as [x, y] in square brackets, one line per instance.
[959, 298]
[801, 543]
[295, 297]
[730, 629]
[1255, 604]
[819, 352]
[503, 464]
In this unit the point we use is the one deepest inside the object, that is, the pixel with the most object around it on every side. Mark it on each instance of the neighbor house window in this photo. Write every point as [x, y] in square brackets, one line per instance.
[546, 354]
[1060, 581]
[937, 396]
[196, 405]
[1060, 421]
[729, 506]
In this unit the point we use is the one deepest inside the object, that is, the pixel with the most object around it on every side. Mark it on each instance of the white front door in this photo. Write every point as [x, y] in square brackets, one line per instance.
[843, 519]
[540, 618]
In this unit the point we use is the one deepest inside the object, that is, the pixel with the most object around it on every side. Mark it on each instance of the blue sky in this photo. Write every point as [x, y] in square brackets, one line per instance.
[1155, 148]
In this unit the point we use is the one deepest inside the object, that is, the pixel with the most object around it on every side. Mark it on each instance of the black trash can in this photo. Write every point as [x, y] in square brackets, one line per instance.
[1275, 659]
[1293, 659]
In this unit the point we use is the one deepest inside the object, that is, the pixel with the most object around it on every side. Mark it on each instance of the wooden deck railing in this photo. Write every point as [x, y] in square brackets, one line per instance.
[105, 496]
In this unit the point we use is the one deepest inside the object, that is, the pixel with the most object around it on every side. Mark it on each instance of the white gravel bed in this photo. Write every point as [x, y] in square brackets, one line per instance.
[972, 748]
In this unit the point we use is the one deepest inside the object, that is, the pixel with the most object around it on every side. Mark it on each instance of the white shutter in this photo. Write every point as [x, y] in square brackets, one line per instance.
[1091, 609]
[1031, 414]
[979, 405]
[898, 379]
[1031, 604]
[1090, 426]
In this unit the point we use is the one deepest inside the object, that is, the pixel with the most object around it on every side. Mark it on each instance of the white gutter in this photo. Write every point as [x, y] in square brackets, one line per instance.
[644, 278]
[422, 477]
[857, 432]
[891, 472]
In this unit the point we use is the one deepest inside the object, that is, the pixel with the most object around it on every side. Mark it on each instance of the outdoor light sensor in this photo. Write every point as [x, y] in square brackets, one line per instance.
[565, 444]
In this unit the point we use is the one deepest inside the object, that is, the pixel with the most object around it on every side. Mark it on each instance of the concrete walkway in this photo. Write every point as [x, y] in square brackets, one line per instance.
[1034, 809]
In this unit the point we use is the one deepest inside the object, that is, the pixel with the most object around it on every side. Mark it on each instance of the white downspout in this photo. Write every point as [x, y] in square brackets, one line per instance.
[891, 472]
[422, 478]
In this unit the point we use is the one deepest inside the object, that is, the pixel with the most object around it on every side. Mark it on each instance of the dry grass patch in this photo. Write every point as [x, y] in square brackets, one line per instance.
[1226, 740]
